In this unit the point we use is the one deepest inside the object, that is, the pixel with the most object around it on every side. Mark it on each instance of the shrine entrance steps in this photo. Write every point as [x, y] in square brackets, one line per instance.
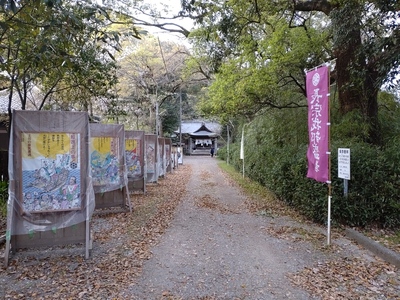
[201, 152]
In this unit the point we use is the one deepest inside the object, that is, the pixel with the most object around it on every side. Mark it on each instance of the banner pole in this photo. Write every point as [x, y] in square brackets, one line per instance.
[319, 135]
[328, 63]
[242, 149]
[329, 163]
[328, 235]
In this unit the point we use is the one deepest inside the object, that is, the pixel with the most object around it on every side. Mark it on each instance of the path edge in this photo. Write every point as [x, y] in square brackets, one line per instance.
[375, 247]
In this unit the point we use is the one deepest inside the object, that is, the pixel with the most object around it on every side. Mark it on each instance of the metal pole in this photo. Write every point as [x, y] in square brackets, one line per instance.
[243, 166]
[346, 187]
[329, 166]
[180, 118]
[157, 117]
[180, 126]
[227, 147]
[242, 148]
[329, 220]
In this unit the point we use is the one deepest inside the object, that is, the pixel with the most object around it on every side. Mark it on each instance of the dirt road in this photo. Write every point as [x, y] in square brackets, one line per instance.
[192, 236]
[216, 249]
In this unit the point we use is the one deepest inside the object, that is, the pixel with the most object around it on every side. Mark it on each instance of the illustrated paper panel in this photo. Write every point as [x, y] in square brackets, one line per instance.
[105, 161]
[151, 157]
[132, 156]
[51, 174]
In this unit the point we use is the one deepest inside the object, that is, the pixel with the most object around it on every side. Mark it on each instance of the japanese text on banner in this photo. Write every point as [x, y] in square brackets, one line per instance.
[318, 118]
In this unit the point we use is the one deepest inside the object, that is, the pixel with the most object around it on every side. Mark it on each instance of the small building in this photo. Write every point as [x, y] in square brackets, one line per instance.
[198, 137]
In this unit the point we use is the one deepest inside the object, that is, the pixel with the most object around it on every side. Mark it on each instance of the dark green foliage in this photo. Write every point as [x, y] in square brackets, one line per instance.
[3, 197]
[170, 116]
[373, 189]
[275, 156]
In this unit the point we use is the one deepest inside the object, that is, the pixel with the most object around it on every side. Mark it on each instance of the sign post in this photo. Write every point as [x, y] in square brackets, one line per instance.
[344, 167]
[242, 149]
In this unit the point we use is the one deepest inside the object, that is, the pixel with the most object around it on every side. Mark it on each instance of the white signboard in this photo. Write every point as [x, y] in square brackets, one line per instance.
[180, 156]
[242, 146]
[344, 163]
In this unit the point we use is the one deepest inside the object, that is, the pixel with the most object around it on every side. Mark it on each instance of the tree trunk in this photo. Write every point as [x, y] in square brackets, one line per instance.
[357, 82]
[357, 89]
[371, 95]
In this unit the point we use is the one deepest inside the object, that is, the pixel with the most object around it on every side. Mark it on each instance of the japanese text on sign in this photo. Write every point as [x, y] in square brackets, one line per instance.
[344, 163]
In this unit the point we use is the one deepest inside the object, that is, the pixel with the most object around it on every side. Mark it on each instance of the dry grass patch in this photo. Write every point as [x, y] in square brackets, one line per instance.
[260, 200]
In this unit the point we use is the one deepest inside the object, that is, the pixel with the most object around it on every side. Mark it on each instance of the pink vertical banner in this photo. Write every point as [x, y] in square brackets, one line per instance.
[317, 84]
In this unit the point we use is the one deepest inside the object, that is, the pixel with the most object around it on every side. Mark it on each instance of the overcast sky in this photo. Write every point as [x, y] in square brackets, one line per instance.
[174, 6]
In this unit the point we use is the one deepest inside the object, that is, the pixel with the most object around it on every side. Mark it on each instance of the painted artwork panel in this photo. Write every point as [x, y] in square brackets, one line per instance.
[104, 161]
[51, 172]
[132, 157]
[161, 157]
[167, 154]
[151, 157]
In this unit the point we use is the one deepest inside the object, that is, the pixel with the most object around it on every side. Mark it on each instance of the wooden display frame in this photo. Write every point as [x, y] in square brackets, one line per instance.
[151, 154]
[114, 196]
[168, 155]
[136, 155]
[161, 157]
[48, 227]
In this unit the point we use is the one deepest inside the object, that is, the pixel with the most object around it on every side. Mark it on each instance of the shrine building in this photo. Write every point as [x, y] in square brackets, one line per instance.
[198, 137]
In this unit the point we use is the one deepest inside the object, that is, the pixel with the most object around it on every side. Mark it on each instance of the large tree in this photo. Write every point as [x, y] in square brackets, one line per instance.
[150, 78]
[363, 38]
[66, 49]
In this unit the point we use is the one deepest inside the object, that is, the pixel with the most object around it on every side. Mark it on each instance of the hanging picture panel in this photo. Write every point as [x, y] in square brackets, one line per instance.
[151, 148]
[51, 198]
[175, 157]
[161, 157]
[168, 155]
[107, 165]
[135, 160]
[179, 153]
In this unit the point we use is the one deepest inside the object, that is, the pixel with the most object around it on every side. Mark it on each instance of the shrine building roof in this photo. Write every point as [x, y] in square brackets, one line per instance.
[200, 128]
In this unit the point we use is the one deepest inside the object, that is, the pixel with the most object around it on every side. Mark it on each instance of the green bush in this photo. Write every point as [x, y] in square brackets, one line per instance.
[373, 189]
[275, 156]
[3, 197]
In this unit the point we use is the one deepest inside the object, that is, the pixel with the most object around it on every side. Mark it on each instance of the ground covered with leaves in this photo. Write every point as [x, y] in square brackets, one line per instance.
[123, 242]
[345, 275]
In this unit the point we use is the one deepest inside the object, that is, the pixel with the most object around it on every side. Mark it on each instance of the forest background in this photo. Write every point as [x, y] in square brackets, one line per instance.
[244, 65]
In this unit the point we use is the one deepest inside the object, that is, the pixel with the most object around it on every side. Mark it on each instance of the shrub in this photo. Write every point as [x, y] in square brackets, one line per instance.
[3, 197]
[272, 159]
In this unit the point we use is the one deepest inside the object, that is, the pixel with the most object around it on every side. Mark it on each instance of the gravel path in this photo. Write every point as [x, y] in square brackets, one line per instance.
[216, 249]
[192, 237]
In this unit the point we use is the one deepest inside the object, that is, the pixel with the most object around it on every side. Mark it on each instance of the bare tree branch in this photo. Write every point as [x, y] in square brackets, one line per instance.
[324, 6]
